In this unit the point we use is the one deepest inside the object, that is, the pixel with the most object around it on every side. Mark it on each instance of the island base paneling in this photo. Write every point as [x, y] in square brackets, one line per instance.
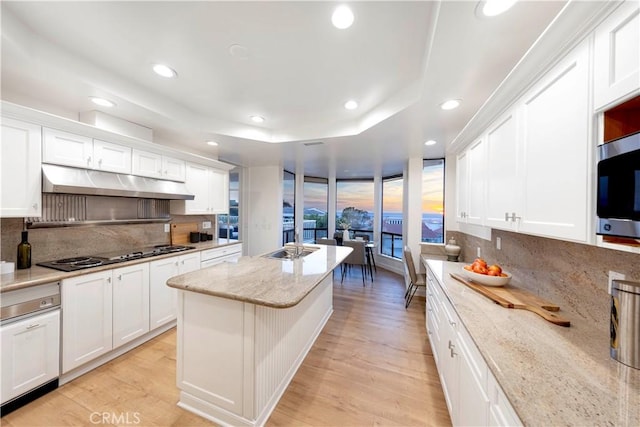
[235, 359]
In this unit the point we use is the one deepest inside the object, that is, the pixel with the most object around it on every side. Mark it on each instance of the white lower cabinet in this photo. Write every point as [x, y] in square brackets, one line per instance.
[473, 396]
[215, 256]
[130, 303]
[30, 355]
[163, 300]
[87, 320]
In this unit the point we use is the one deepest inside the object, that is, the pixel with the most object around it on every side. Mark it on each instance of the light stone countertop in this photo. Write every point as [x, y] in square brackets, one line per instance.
[278, 283]
[37, 275]
[552, 375]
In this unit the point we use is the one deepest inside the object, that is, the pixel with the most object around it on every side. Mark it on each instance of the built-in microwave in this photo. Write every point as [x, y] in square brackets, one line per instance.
[618, 199]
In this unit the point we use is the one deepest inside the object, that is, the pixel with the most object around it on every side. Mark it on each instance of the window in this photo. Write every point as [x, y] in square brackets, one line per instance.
[391, 235]
[354, 207]
[228, 224]
[288, 207]
[316, 202]
[433, 201]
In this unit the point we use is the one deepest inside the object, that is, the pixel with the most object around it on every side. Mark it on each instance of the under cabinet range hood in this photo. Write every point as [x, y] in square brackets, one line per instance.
[67, 180]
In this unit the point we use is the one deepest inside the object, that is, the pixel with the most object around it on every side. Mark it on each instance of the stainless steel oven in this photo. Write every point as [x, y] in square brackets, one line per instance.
[618, 199]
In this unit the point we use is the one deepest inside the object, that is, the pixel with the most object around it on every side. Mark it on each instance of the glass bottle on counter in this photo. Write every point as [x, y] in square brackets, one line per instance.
[24, 252]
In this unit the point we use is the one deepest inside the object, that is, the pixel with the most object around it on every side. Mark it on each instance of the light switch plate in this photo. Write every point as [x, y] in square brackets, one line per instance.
[167, 228]
[206, 225]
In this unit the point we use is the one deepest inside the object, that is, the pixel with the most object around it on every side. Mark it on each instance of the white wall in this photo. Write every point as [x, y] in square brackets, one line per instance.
[263, 191]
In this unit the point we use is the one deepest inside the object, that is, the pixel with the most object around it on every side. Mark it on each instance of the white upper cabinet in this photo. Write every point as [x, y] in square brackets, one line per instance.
[535, 165]
[555, 151]
[20, 173]
[502, 172]
[64, 148]
[471, 169]
[111, 157]
[156, 165]
[173, 169]
[617, 56]
[211, 190]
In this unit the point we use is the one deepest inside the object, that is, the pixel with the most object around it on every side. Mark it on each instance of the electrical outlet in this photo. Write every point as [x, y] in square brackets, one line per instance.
[206, 225]
[167, 228]
[498, 243]
[478, 253]
[614, 275]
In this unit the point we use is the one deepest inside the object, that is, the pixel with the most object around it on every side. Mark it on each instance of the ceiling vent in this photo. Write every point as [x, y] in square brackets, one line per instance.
[309, 144]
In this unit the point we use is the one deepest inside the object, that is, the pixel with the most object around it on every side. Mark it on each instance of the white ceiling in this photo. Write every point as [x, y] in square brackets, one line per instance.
[399, 60]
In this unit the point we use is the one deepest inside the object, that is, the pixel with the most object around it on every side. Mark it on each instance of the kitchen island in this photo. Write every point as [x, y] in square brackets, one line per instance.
[244, 329]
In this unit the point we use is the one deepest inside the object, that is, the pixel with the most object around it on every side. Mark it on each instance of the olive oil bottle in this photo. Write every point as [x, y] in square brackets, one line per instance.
[24, 252]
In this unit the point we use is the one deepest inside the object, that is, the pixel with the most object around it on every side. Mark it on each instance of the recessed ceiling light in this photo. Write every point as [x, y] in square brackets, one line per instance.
[342, 17]
[450, 104]
[164, 71]
[430, 142]
[102, 102]
[212, 143]
[495, 7]
[351, 105]
[257, 119]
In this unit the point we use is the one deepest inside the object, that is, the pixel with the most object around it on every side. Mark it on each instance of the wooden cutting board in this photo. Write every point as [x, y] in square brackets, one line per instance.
[511, 297]
[180, 233]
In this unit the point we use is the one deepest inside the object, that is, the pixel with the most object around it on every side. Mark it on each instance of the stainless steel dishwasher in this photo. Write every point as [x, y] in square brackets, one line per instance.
[30, 333]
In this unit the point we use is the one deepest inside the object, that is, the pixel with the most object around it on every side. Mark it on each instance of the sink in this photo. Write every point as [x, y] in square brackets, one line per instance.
[289, 253]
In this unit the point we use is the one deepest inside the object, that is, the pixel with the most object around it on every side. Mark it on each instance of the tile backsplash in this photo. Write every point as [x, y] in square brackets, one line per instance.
[572, 275]
[64, 242]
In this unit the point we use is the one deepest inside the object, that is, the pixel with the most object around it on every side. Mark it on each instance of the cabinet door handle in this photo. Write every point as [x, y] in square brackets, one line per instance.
[89, 160]
[108, 279]
[506, 216]
[35, 206]
[33, 325]
[176, 263]
[120, 277]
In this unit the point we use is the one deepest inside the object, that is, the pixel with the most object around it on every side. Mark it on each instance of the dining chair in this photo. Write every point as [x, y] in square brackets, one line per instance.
[325, 241]
[356, 257]
[359, 236]
[417, 281]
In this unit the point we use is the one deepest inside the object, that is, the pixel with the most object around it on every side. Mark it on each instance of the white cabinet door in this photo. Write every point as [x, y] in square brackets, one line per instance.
[163, 300]
[617, 56]
[448, 367]
[189, 262]
[197, 181]
[219, 191]
[555, 144]
[147, 164]
[211, 190]
[470, 185]
[173, 169]
[130, 303]
[501, 413]
[111, 157]
[87, 321]
[462, 186]
[502, 177]
[20, 169]
[63, 148]
[473, 402]
[30, 353]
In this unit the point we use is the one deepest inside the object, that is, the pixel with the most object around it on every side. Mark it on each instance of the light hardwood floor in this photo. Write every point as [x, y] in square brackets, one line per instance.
[371, 365]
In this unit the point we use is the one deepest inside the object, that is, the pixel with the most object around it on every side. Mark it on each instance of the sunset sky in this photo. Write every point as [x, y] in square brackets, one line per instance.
[360, 193]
